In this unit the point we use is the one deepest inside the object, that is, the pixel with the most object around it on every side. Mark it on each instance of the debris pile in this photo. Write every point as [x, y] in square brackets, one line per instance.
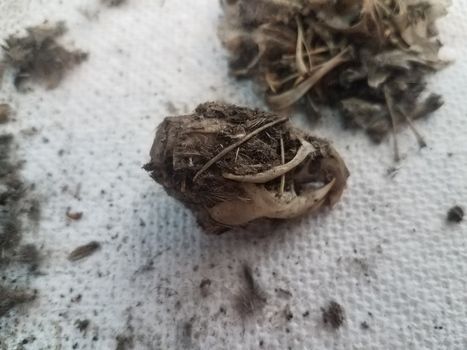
[369, 59]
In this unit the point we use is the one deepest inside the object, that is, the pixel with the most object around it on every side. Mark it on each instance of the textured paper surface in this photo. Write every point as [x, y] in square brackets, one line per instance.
[385, 252]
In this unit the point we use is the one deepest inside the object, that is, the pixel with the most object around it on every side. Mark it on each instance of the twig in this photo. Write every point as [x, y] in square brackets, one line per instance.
[421, 141]
[282, 162]
[389, 103]
[236, 144]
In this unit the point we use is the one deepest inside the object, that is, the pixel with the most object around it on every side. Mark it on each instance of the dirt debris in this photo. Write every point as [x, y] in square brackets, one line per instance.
[205, 287]
[356, 56]
[113, 3]
[74, 215]
[233, 165]
[15, 206]
[5, 112]
[84, 251]
[82, 325]
[288, 314]
[455, 215]
[252, 298]
[283, 293]
[38, 57]
[9, 298]
[124, 342]
[333, 315]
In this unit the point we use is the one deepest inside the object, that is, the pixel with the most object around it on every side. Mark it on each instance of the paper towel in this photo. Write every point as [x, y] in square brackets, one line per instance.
[384, 252]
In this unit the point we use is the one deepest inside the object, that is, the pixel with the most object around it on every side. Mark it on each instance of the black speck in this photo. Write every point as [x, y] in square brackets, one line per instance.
[364, 325]
[455, 214]
[204, 286]
[283, 293]
[76, 299]
[333, 315]
[288, 313]
[124, 342]
[82, 325]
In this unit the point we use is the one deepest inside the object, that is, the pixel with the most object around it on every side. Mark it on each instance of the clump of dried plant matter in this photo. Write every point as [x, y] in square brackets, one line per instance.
[38, 56]
[367, 58]
[233, 165]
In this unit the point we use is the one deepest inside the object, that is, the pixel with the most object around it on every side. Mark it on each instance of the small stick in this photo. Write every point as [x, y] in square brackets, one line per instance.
[236, 144]
[421, 141]
[307, 47]
[261, 178]
[300, 63]
[393, 120]
[236, 154]
[282, 162]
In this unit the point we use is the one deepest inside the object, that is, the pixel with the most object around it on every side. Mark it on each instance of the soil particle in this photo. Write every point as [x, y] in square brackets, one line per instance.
[205, 287]
[82, 325]
[455, 214]
[73, 215]
[288, 313]
[113, 3]
[333, 315]
[364, 325]
[124, 342]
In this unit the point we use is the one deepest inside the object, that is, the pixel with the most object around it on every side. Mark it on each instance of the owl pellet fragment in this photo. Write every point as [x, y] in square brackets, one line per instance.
[232, 165]
[367, 58]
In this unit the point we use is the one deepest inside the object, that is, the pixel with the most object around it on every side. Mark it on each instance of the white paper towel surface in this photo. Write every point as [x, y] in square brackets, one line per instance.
[384, 252]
